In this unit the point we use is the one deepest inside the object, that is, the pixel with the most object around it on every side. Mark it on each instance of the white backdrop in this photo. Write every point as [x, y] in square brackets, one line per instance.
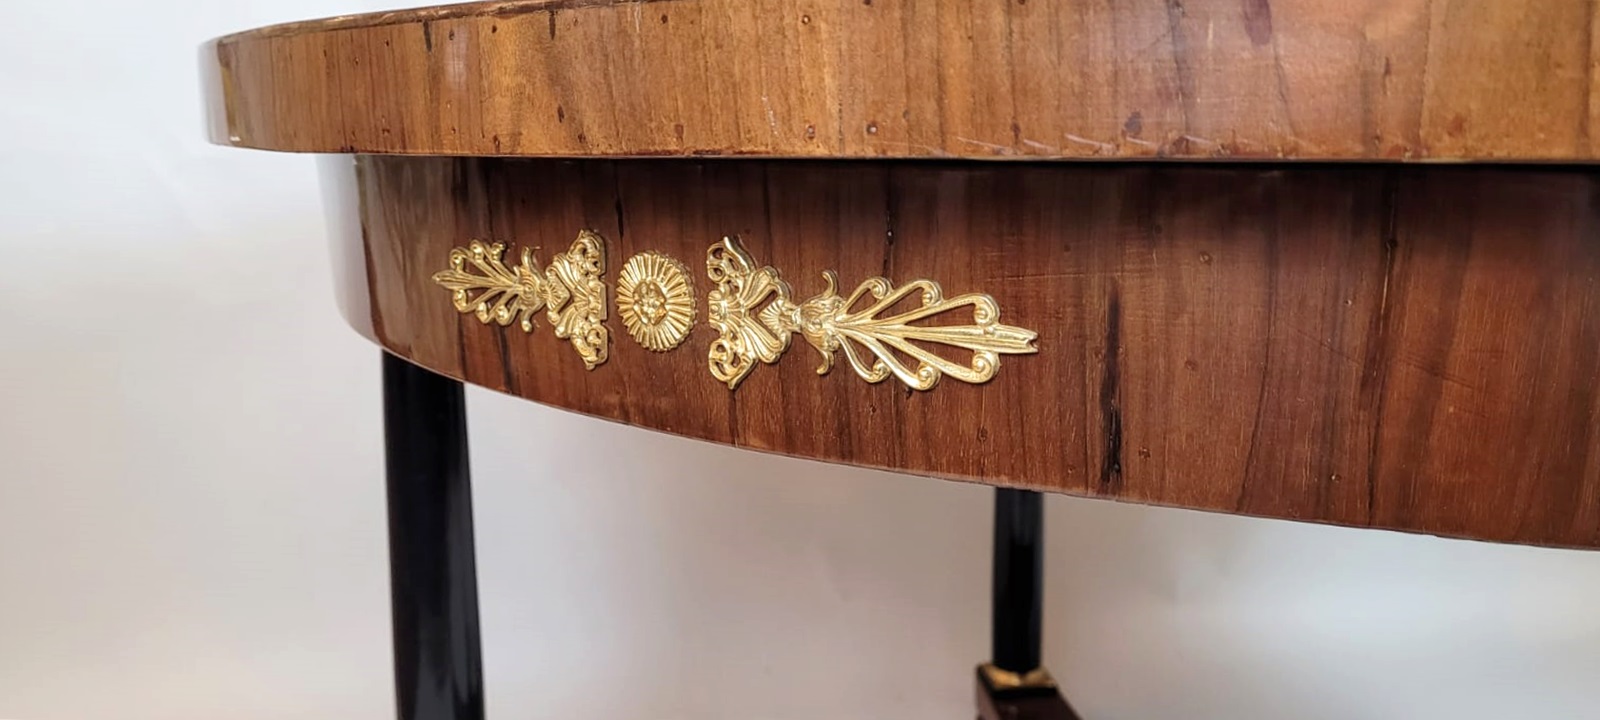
[191, 502]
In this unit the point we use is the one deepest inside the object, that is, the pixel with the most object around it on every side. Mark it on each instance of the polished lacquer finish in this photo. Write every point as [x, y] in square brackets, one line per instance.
[1397, 347]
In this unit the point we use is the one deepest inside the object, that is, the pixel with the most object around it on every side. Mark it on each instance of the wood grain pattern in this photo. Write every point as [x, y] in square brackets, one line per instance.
[1281, 79]
[1395, 347]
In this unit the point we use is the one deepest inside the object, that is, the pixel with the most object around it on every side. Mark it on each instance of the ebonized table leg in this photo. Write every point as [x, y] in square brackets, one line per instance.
[433, 581]
[438, 664]
[1014, 686]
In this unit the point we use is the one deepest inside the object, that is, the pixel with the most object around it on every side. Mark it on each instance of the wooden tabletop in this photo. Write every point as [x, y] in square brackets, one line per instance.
[1409, 80]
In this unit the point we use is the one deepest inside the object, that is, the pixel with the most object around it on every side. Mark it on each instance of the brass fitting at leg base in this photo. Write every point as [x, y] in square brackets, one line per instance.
[1001, 681]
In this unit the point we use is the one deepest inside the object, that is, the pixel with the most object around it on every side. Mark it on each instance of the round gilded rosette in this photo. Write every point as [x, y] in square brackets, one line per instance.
[656, 300]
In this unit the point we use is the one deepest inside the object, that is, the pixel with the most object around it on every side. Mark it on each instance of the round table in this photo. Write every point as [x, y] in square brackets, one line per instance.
[1331, 262]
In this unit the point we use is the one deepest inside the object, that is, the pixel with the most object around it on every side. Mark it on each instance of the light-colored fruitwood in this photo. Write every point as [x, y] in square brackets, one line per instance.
[1262, 79]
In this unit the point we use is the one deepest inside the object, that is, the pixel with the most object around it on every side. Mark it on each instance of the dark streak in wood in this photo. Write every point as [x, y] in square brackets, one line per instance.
[507, 377]
[1182, 65]
[890, 210]
[374, 320]
[1271, 298]
[1110, 411]
[1375, 364]
[1258, 21]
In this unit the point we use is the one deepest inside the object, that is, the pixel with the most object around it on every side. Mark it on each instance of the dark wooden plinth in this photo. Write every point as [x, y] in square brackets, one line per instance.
[1021, 704]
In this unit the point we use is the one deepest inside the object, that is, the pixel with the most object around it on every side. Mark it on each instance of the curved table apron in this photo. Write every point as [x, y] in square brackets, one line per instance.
[1396, 347]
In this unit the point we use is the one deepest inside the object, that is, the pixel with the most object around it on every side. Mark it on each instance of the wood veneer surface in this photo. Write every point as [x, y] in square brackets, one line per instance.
[1395, 347]
[1265, 79]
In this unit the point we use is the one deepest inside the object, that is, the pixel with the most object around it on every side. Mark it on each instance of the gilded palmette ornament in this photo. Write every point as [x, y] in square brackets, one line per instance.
[754, 314]
[745, 334]
[569, 290]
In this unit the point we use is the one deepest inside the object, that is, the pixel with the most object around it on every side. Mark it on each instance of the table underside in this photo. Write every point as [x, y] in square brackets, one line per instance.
[1405, 347]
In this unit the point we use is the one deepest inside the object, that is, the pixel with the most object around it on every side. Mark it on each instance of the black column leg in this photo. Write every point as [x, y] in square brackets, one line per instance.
[1014, 685]
[432, 578]
[1018, 593]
